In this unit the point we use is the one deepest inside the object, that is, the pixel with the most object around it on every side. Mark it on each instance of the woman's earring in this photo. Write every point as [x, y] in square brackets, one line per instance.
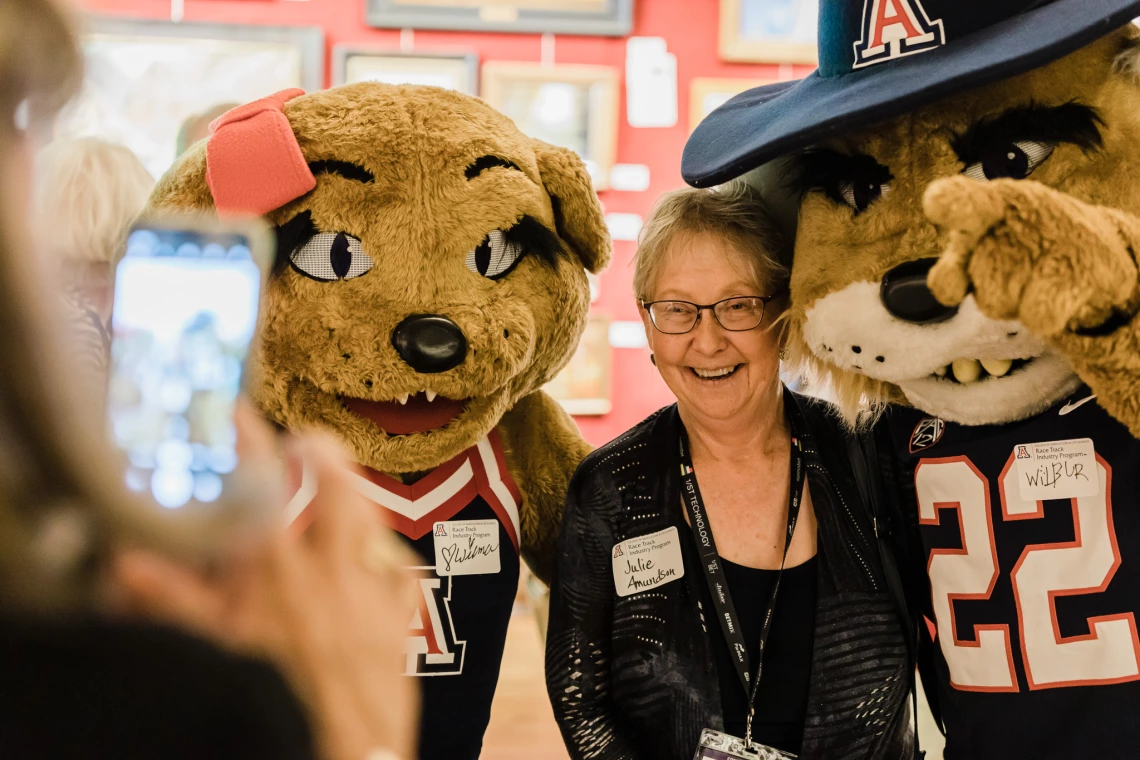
[653, 360]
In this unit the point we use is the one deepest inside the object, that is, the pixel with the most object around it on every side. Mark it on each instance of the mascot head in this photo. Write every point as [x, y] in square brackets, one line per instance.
[431, 262]
[915, 102]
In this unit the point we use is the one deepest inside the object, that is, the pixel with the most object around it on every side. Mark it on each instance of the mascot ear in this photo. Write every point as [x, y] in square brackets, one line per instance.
[183, 188]
[577, 211]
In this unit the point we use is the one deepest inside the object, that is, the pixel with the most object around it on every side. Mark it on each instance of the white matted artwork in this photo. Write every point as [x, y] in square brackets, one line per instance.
[154, 85]
[452, 71]
[574, 106]
[769, 31]
[708, 94]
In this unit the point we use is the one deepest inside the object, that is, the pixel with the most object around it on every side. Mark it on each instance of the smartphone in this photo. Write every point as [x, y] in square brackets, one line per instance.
[183, 325]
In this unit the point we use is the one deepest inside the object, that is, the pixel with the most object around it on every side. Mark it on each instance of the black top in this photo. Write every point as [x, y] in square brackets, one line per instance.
[635, 676]
[1057, 681]
[781, 701]
[122, 691]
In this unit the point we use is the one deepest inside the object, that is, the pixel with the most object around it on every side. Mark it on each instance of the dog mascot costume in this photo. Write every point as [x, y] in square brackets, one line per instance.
[430, 279]
[966, 262]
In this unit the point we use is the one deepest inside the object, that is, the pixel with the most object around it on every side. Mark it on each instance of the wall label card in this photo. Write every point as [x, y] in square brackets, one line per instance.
[1056, 469]
[647, 562]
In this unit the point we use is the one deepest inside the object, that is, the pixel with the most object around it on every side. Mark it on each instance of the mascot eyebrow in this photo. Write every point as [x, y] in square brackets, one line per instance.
[483, 163]
[828, 170]
[1069, 123]
[343, 168]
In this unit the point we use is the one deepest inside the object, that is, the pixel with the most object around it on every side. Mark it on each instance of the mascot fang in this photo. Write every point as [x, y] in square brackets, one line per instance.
[967, 175]
[430, 279]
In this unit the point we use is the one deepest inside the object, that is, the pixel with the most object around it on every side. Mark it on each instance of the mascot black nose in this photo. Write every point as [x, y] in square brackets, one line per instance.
[430, 343]
[905, 295]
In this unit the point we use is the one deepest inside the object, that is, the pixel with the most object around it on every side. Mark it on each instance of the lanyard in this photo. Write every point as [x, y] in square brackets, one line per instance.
[714, 573]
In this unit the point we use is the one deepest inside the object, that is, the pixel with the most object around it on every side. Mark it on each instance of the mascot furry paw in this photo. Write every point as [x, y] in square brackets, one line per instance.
[968, 188]
[431, 278]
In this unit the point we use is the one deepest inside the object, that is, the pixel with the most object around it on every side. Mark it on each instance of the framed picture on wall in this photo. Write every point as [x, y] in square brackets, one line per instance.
[583, 385]
[592, 17]
[769, 31]
[154, 86]
[706, 95]
[453, 71]
[574, 106]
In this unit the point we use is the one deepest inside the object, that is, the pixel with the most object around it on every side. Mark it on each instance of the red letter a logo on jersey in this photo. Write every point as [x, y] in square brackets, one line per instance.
[432, 647]
[896, 28]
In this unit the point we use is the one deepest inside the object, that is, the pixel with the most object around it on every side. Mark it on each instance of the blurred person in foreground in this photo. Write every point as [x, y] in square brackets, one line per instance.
[87, 193]
[641, 654]
[78, 681]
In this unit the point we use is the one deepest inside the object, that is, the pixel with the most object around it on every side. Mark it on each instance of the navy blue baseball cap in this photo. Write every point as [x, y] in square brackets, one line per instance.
[881, 58]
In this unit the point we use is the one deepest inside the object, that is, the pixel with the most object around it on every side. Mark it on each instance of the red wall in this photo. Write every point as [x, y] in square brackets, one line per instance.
[691, 28]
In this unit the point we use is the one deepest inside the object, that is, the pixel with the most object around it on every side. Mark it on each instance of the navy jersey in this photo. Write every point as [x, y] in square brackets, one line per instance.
[1032, 603]
[456, 636]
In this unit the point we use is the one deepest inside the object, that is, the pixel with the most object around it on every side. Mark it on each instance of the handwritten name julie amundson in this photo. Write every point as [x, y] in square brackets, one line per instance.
[641, 566]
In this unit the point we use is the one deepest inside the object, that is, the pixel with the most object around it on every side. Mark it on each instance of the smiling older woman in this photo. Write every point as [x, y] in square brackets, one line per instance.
[723, 533]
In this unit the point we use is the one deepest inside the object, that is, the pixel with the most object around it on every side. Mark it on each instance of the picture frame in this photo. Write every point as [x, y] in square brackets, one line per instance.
[612, 18]
[769, 31]
[583, 387]
[154, 85]
[706, 94]
[456, 71]
[575, 106]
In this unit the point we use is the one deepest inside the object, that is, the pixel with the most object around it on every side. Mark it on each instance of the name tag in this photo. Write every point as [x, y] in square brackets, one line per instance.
[646, 562]
[1057, 469]
[466, 547]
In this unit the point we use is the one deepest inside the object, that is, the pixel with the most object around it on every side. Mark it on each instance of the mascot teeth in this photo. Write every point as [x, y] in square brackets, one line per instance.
[997, 367]
[966, 370]
[430, 395]
[403, 399]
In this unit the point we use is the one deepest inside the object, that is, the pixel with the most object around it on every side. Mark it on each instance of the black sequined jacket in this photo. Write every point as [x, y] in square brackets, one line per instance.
[634, 677]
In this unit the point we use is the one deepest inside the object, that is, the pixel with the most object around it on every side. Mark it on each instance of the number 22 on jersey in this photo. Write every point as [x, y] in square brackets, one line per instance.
[1109, 653]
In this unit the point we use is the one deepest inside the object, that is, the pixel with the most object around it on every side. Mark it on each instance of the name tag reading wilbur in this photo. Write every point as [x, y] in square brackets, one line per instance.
[646, 562]
[1057, 469]
[466, 547]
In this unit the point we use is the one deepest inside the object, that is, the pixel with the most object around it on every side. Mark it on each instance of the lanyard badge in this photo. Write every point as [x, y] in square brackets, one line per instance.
[721, 746]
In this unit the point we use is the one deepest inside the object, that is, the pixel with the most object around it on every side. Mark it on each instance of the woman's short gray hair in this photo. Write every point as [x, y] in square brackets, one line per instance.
[733, 213]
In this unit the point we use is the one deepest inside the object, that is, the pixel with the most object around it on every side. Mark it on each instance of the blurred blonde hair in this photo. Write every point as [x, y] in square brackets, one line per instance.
[88, 191]
[732, 213]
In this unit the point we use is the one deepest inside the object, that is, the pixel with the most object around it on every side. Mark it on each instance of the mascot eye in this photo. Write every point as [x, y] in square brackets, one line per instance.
[861, 194]
[495, 257]
[330, 256]
[1013, 161]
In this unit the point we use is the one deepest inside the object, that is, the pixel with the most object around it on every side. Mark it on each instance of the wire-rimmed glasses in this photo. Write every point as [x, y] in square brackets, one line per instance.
[736, 314]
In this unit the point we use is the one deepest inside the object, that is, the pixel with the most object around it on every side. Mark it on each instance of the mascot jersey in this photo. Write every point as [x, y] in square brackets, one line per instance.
[1033, 599]
[462, 519]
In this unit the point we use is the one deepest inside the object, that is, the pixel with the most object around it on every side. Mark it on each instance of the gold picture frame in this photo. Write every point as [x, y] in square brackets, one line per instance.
[706, 94]
[454, 71]
[583, 387]
[769, 31]
[575, 106]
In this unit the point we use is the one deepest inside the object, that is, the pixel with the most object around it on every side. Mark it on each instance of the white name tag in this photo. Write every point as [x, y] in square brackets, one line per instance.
[1057, 469]
[646, 562]
[466, 547]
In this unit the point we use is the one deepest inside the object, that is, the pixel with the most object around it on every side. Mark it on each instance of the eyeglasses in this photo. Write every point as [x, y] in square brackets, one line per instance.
[737, 314]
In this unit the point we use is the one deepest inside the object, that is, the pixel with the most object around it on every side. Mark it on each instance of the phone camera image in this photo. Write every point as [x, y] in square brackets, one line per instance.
[185, 312]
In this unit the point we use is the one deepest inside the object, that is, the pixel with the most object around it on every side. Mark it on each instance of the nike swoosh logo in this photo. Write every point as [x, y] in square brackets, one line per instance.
[1070, 407]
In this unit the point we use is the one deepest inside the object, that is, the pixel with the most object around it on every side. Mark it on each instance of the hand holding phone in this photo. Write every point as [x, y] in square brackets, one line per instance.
[183, 324]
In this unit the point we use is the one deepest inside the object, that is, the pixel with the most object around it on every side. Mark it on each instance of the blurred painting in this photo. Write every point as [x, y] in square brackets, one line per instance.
[572, 106]
[708, 94]
[593, 17]
[769, 31]
[583, 385]
[155, 86]
[458, 71]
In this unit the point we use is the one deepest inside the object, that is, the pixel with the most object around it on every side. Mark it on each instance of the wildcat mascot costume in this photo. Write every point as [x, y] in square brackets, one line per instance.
[430, 279]
[967, 174]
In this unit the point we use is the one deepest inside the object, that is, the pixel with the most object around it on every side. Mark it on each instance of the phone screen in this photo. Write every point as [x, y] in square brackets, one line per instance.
[185, 313]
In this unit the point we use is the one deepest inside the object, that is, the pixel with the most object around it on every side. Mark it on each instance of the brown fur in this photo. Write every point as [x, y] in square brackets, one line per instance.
[417, 221]
[1056, 251]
